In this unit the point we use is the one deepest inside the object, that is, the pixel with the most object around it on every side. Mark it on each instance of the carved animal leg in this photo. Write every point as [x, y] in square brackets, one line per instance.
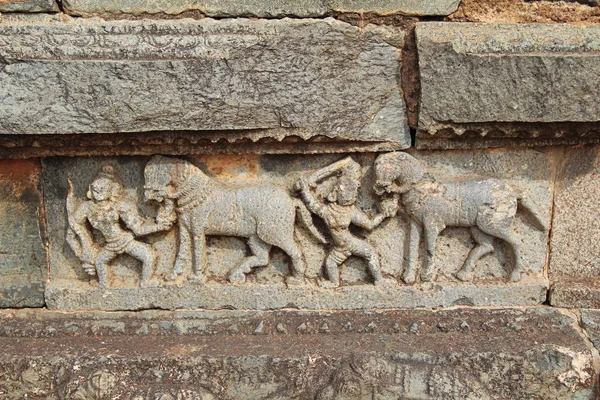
[183, 254]
[198, 246]
[414, 239]
[506, 233]
[147, 256]
[432, 231]
[484, 246]
[297, 268]
[260, 258]
[102, 261]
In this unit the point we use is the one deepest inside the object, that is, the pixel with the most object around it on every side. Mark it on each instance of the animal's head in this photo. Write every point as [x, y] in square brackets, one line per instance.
[395, 172]
[163, 177]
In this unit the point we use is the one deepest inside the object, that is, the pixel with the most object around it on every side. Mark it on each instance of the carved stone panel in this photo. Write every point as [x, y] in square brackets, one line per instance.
[23, 265]
[357, 231]
[575, 243]
[225, 81]
[492, 85]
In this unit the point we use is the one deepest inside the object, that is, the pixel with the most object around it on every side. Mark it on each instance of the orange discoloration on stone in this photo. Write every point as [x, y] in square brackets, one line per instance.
[20, 173]
[233, 165]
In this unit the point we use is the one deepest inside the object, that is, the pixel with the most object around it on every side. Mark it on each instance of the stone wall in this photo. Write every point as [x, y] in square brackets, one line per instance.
[316, 199]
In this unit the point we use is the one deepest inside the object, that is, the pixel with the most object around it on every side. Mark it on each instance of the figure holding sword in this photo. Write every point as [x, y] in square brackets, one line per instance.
[339, 211]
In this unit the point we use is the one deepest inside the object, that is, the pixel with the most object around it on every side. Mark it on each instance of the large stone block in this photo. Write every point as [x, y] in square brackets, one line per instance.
[23, 264]
[575, 241]
[496, 85]
[243, 235]
[7, 6]
[260, 8]
[240, 80]
[399, 354]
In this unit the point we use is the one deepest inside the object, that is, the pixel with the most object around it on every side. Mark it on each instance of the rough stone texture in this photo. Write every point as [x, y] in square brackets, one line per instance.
[247, 79]
[527, 170]
[259, 8]
[470, 74]
[28, 6]
[23, 267]
[457, 354]
[575, 241]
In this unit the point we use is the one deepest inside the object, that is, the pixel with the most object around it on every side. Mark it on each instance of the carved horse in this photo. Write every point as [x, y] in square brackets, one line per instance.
[263, 214]
[486, 206]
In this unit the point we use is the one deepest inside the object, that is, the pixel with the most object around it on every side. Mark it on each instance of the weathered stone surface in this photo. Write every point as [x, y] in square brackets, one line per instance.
[246, 79]
[28, 6]
[496, 85]
[457, 354]
[528, 172]
[575, 242]
[23, 267]
[259, 8]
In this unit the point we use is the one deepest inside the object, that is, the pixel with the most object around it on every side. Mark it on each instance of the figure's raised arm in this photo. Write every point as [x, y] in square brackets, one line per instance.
[139, 225]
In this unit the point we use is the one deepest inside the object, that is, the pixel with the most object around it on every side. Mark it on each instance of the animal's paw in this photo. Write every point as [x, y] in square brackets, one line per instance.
[293, 281]
[237, 278]
[196, 279]
[385, 282]
[409, 277]
[515, 276]
[463, 275]
[328, 284]
[427, 276]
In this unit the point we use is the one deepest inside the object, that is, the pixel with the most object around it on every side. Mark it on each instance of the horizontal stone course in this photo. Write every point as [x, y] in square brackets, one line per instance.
[453, 354]
[23, 6]
[253, 79]
[505, 84]
[260, 8]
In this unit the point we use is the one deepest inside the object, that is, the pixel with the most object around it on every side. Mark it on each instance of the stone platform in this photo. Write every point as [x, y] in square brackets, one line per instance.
[418, 354]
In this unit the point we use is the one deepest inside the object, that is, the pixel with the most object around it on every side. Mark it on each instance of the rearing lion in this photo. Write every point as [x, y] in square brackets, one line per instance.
[262, 213]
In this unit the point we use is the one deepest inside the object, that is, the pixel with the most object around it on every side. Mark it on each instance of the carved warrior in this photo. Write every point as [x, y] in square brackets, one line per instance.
[105, 208]
[263, 214]
[487, 206]
[338, 210]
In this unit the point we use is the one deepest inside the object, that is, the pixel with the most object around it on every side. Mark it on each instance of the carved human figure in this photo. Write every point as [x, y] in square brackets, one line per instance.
[105, 208]
[486, 206]
[339, 211]
[264, 214]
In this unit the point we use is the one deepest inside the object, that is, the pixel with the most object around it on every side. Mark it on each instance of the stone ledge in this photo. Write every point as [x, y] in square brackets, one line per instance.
[450, 354]
[251, 79]
[259, 8]
[67, 295]
[471, 73]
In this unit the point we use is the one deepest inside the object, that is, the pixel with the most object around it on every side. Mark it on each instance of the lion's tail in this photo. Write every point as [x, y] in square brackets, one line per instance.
[532, 210]
[306, 219]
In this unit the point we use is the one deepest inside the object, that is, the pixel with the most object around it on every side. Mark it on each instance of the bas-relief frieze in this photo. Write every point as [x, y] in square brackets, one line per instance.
[305, 228]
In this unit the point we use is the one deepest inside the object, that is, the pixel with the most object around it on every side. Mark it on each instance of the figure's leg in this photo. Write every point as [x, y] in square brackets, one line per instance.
[414, 239]
[484, 246]
[104, 257]
[199, 248]
[260, 258]
[432, 231]
[183, 253]
[363, 249]
[332, 270]
[145, 253]
[297, 268]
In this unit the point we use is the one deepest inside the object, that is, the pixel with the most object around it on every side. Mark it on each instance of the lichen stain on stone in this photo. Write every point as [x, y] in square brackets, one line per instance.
[232, 166]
